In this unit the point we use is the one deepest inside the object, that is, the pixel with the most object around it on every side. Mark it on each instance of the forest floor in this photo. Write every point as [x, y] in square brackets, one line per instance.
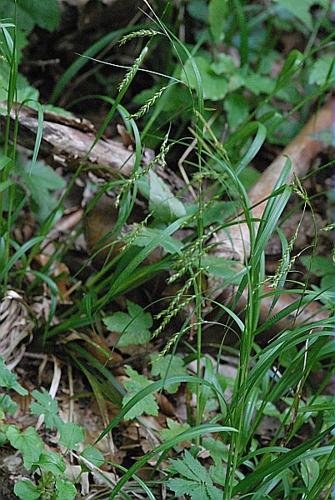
[166, 254]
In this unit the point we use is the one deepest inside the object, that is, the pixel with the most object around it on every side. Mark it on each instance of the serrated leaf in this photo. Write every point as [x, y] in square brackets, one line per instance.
[198, 484]
[195, 466]
[8, 380]
[206, 492]
[134, 326]
[323, 70]
[214, 86]
[230, 270]
[164, 205]
[182, 486]
[50, 461]
[65, 490]
[168, 366]
[217, 449]
[174, 428]
[27, 442]
[71, 435]
[190, 468]
[26, 490]
[46, 406]
[133, 385]
[181, 468]
[45, 14]
[170, 244]
[93, 455]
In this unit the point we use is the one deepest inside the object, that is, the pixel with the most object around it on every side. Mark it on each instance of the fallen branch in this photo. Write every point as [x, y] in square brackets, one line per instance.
[301, 152]
[67, 142]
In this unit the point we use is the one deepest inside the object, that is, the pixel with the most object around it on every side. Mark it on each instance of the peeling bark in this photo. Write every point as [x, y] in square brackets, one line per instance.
[66, 143]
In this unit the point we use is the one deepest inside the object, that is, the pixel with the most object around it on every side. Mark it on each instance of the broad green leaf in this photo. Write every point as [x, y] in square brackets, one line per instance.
[4, 161]
[45, 14]
[65, 490]
[230, 270]
[198, 9]
[46, 406]
[27, 442]
[133, 385]
[259, 84]
[318, 265]
[237, 109]
[310, 470]
[8, 380]
[249, 176]
[174, 428]
[40, 181]
[301, 9]
[134, 326]
[223, 65]
[23, 19]
[23, 89]
[214, 86]
[3, 437]
[93, 455]
[168, 366]
[26, 490]
[218, 10]
[323, 70]
[164, 205]
[50, 461]
[7, 405]
[328, 282]
[71, 435]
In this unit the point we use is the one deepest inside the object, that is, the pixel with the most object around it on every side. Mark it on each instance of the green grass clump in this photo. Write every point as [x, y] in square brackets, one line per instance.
[214, 91]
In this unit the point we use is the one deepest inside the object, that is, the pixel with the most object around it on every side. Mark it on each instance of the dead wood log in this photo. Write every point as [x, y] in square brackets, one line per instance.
[67, 143]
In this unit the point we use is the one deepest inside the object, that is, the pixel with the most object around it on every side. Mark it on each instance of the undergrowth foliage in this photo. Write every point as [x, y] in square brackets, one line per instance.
[220, 94]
